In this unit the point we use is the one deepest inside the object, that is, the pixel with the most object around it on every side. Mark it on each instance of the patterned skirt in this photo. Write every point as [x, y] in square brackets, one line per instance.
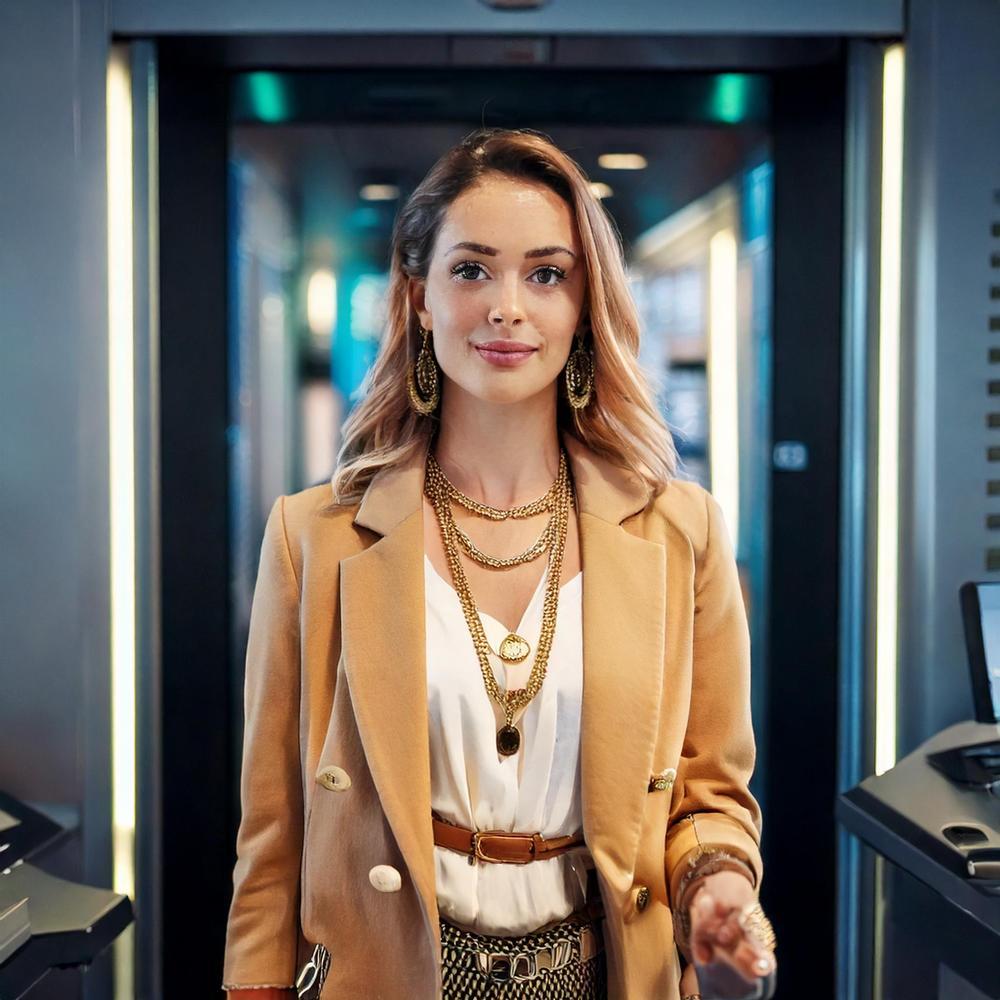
[464, 978]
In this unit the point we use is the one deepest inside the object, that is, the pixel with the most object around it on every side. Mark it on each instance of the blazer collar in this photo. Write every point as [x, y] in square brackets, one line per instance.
[603, 489]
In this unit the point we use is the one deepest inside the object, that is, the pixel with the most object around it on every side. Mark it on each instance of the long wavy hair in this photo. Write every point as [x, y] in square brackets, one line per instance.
[621, 422]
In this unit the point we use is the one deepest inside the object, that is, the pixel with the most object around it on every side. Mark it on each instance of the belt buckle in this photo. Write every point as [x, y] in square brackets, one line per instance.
[478, 851]
[523, 959]
[517, 968]
[562, 953]
[499, 968]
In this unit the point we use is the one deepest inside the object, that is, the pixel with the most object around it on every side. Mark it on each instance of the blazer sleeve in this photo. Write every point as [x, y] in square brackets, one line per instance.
[263, 933]
[716, 807]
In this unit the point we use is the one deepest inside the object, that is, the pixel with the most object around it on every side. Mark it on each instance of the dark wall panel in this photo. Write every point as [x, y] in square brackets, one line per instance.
[800, 829]
[197, 719]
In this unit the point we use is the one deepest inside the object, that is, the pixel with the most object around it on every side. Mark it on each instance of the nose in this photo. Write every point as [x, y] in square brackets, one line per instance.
[508, 311]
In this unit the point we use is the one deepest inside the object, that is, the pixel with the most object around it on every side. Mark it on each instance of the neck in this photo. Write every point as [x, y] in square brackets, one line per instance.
[501, 454]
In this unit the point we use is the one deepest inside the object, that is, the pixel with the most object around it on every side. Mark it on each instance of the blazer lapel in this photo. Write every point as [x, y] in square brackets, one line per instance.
[624, 612]
[624, 626]
[384, 647]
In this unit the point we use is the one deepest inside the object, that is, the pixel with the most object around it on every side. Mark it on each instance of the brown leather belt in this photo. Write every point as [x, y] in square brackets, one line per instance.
[500, 845]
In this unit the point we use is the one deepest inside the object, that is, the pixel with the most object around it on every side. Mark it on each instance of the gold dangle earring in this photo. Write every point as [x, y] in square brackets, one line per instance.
[579, 376]
[422, 381]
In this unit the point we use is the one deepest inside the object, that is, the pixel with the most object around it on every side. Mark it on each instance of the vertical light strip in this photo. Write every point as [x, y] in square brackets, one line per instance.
[723, 379]
[321, 303]
[122, 449]
[887, 545]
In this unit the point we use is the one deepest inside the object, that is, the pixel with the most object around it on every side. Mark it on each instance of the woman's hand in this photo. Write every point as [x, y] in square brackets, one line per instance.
[715, 929]
[689, 982]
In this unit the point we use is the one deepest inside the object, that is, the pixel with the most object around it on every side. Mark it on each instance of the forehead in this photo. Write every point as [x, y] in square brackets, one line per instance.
[509, 212]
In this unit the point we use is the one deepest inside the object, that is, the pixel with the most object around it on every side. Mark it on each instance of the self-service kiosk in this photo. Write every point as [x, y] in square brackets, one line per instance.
[935, 816]
[46, 922]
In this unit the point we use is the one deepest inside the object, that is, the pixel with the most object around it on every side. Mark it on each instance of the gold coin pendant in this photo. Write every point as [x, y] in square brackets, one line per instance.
[514, 649]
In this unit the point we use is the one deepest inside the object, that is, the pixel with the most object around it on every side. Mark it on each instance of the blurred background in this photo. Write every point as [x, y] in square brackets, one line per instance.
[196, 206]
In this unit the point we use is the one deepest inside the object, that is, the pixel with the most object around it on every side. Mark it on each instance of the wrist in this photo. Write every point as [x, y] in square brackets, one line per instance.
[724, 882]
[703, 863]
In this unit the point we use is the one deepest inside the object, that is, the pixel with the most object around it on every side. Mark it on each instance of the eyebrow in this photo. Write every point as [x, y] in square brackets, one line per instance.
[492, 251]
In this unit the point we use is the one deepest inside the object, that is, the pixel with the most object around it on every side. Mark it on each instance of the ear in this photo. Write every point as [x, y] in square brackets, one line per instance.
[416, 292]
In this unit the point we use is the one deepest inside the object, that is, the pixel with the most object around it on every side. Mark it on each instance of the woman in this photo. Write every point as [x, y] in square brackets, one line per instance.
[498, 735]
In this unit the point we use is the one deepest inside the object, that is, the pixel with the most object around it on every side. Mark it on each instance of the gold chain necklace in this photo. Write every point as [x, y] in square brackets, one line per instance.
[514, 648]
[437, 489]
[536, 549]
[546, 502]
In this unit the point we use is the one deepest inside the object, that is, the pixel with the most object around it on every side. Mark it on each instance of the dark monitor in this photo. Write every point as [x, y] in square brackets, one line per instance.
[981, 620]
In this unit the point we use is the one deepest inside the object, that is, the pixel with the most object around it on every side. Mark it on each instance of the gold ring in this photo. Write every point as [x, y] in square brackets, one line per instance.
[753, 921]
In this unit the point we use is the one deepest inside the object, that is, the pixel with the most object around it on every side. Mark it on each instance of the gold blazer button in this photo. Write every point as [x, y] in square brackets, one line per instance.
[663, 781]
[334, 778]
[642, 898]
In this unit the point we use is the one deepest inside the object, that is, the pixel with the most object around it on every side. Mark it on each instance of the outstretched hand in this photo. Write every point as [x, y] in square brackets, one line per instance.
[716, 931]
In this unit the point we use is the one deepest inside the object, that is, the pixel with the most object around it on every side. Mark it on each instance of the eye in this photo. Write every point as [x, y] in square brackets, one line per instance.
[552, 271]
[462, 270]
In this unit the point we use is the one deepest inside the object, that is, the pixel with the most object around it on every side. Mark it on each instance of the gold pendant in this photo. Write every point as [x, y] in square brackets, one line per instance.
[508, 740]
[514, 649]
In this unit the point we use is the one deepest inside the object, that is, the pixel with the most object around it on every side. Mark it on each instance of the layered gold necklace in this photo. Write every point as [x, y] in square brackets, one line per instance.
[559, 500]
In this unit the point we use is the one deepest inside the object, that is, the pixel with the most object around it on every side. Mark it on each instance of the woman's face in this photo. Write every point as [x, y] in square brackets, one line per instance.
[507, 268]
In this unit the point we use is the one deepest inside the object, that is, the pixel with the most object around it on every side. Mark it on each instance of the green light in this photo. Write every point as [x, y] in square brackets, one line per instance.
[728, 101]
[267, 95]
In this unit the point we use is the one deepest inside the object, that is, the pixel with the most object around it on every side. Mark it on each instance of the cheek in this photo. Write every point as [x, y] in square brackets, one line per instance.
[466, 314]
[558, 325]
[459, 315]
[561, 311]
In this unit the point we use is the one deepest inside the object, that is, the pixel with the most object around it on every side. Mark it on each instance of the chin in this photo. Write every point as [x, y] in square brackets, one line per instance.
[520, 394]
[505, 388]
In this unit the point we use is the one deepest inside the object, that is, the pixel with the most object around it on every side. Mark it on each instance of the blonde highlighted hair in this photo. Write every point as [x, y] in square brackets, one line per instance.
[621, 422]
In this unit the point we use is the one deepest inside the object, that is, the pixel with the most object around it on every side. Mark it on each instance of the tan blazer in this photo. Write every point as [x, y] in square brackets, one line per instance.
[336, 772]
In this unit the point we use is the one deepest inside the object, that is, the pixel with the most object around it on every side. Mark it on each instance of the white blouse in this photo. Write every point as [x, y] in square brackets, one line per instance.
[472, 784]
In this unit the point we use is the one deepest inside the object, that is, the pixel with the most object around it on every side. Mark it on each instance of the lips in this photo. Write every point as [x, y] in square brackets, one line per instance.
[505, 353]
[505, 346]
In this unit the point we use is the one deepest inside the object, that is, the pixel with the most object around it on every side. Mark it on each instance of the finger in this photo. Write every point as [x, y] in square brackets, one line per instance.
[753, 961]
[705, 903]
[762, 960]
[703, 952]
[727, 935]
[703, 944]
[725, 931]
[741, 951]
[703, 918]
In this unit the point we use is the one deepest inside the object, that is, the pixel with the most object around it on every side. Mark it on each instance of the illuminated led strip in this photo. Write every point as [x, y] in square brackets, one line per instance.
[723, 381]
[321, 302]
[887, 545]
[121, 414]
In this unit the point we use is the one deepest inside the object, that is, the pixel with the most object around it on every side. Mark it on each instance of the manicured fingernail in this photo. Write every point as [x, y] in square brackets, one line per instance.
[763, 965]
